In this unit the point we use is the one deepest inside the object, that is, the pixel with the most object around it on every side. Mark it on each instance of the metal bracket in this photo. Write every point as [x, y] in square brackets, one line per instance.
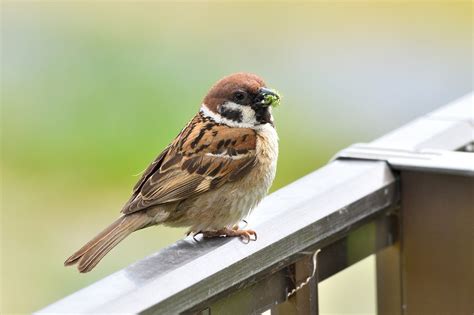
[427, 160]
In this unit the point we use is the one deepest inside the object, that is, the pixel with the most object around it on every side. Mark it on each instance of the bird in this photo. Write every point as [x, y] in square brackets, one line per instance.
[210, 177]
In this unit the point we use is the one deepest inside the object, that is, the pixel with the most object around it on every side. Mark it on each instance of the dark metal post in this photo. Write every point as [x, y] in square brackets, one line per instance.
[388, 270]
[437, 243]
[303, 301]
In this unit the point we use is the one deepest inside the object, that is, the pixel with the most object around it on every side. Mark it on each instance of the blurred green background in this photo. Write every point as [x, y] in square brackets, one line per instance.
[92, 92]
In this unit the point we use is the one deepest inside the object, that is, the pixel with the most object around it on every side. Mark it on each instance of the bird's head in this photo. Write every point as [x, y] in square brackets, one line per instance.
[240, 100]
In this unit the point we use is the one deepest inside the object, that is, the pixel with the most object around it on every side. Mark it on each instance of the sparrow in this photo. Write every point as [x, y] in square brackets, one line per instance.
[210, 177]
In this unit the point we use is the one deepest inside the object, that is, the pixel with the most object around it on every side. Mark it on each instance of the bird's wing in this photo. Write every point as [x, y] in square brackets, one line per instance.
[203, 157]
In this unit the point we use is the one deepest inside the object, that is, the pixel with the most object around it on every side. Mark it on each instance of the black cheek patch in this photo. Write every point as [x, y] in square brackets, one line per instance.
[232, 114]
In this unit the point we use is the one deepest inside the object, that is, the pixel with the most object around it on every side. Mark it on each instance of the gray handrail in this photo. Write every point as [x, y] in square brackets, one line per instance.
[314, 212]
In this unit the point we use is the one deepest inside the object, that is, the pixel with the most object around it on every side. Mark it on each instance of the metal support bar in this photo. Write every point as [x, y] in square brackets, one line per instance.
[388, 271]
[271, 292]
[305, 299]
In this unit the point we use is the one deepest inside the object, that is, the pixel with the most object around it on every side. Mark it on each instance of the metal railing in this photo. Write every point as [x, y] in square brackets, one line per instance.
[406, 197]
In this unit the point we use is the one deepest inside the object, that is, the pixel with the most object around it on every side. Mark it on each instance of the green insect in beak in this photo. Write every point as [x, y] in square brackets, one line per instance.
[270, 97]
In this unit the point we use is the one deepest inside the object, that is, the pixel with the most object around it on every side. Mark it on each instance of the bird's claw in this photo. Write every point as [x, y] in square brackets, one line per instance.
[247, 235]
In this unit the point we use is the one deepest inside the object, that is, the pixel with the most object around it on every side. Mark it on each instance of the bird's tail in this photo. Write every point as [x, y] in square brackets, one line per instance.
[90, 254]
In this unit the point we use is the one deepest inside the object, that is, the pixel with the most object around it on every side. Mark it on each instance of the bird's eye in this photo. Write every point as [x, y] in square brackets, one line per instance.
[239, 96]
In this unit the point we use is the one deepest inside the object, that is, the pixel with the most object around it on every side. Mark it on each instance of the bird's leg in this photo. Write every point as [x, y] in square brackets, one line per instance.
[245, 235]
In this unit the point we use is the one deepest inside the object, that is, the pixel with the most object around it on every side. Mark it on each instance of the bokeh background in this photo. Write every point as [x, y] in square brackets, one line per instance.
[91, 92]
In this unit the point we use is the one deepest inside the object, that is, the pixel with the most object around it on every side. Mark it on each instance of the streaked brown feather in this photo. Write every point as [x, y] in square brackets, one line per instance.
[204, 156]
[150, 169]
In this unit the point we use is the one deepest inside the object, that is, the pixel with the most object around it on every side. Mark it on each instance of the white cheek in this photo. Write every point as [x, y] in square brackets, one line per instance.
[248, 116]
[222, 120]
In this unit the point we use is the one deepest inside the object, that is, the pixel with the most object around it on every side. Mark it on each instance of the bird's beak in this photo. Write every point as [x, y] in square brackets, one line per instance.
[268, 97]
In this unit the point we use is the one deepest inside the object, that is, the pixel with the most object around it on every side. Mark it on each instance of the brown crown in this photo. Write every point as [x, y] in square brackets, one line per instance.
[222, 91]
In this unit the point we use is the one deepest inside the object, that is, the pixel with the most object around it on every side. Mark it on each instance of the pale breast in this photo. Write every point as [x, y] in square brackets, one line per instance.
[267, 155]
[229, 204]
[248, 192]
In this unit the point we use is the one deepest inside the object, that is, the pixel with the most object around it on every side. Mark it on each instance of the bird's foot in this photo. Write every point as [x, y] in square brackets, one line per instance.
[245, 235]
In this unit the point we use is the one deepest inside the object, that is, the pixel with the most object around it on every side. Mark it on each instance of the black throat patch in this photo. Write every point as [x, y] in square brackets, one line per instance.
[262, 114]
